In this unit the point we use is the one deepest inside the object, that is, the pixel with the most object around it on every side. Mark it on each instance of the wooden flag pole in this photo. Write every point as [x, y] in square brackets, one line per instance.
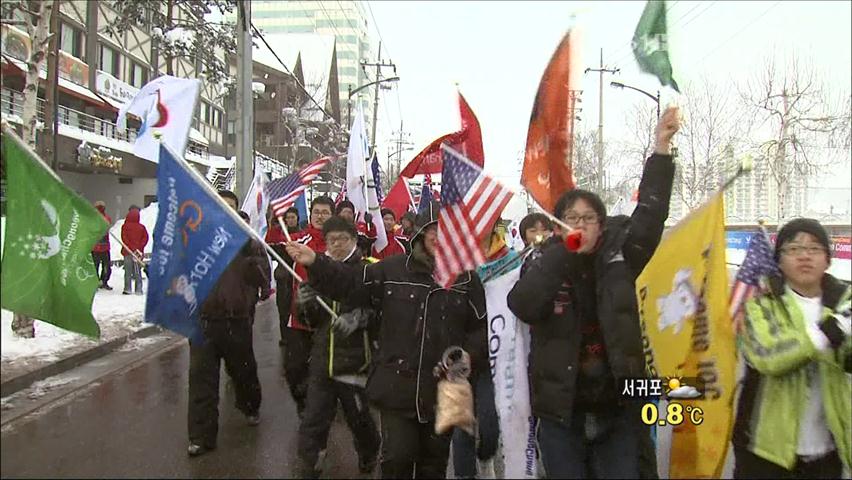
[140, 261]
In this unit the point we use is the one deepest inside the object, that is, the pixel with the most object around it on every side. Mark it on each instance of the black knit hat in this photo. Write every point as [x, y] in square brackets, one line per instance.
[808, 225]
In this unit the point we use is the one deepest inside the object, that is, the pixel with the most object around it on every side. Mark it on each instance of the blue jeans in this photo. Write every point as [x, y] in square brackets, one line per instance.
[464, 445]
[132, 274]
[602, 445]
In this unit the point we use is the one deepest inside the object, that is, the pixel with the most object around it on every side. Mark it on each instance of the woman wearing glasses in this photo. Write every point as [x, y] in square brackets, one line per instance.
[793, 419]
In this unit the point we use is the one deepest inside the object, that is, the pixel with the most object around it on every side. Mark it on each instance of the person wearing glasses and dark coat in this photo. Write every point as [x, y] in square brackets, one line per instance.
[585, 335]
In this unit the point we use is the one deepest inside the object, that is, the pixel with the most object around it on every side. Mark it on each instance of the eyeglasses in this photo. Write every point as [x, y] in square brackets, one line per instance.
[574, 219]
[322, 213]
[796, 250]
[337, 239]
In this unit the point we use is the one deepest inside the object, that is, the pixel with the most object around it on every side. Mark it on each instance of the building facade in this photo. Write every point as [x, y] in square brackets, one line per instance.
[100, 71]
[345, 20]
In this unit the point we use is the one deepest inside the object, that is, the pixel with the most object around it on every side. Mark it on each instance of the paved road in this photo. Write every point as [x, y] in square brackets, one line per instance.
[132, 423]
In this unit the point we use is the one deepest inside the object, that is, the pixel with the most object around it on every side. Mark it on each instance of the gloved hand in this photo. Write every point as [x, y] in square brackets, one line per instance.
[348, 322]
[265, 293]
[838, 327]
[305, 294]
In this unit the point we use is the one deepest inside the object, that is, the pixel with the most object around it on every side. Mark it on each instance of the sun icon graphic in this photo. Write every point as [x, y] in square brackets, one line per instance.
[673, 383]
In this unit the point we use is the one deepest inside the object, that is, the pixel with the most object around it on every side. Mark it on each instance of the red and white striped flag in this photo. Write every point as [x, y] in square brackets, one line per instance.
[283, 192]
[472, 202]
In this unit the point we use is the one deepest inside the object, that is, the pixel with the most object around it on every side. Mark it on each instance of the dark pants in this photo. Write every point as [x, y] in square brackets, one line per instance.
[412, 449]
[593, 446]
[749, 465]
[283, 299]
[231, 340]
[102, 266]
[297, 356]
[323, 395]
[464, 445]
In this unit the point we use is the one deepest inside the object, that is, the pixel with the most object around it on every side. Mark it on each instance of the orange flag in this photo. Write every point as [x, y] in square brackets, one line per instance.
[547, 163]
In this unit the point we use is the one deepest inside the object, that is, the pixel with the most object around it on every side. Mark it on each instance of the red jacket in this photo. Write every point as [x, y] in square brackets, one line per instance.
[133, 233]
[313, 238]
[394, 247]
[103, 243]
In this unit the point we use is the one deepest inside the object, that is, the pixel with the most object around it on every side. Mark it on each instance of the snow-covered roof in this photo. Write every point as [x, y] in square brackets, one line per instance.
[316, 50]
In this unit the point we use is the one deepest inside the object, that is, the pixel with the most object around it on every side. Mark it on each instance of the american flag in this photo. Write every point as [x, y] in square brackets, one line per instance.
[757, 265]
[283, 192]
[472, 202]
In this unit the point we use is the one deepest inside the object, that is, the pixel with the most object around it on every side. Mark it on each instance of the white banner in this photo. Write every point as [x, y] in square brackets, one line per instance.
[508, 349]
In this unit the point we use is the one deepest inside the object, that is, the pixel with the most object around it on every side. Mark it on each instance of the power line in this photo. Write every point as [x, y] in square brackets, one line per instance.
[736, 33]
[619, 50]
[287, 69]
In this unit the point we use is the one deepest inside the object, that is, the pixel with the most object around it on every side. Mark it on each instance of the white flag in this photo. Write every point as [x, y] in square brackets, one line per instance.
[166, 106]
[256, 201]
[357, 176]
[509, 346]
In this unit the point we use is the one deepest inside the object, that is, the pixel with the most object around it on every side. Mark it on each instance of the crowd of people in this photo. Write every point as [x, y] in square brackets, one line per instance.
[388, 325]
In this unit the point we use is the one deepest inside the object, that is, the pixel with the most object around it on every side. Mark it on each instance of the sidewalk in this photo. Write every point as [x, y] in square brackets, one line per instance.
[53, 350]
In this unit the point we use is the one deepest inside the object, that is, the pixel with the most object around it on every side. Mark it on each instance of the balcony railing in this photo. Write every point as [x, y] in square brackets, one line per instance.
[12, 104]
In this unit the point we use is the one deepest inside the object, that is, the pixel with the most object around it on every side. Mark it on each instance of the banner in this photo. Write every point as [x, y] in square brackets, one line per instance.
[48, 272]
[508, 351]
[194, 241]
[683, 309]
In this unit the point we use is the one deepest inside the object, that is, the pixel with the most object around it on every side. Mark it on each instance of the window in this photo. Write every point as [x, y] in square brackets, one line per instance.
[138, 75]
[110, 61]
[71, 41]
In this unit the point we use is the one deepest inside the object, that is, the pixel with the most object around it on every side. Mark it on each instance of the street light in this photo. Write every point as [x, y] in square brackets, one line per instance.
[362, 87]
[652, 97]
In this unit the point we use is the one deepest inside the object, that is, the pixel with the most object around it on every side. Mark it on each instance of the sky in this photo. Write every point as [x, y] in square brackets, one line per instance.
[496, 52]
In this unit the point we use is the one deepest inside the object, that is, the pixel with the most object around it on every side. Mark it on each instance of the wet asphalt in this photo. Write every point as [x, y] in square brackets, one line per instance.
[133, 424]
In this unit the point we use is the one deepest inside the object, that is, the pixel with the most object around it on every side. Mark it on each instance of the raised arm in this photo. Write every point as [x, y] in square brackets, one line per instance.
[655, 192]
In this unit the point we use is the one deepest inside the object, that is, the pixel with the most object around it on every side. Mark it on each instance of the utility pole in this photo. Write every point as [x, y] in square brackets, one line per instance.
[601, 70]
[402, 144]
[379, 65]
[244, 165]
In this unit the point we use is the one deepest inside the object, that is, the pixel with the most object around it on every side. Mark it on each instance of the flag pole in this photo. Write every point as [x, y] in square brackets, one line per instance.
[240, 222]
[132, 253]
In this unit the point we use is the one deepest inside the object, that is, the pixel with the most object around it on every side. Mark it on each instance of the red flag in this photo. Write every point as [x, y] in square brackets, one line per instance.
[471, 145]
[468, 140]
[547, 163]
[398, 198]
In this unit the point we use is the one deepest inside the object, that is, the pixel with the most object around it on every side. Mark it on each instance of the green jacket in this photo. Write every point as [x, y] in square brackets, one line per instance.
[777, 350]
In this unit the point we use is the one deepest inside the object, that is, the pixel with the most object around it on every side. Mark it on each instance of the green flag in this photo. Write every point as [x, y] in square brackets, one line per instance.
[47, 270]
[651, 45]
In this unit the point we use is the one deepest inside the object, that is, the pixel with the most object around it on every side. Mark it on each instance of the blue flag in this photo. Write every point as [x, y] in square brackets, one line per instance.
[377, 178]
[302, 207]
[194, 241]
[425, 197]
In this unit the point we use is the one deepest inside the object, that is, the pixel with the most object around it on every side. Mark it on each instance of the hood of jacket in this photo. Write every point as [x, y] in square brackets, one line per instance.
[132, 216]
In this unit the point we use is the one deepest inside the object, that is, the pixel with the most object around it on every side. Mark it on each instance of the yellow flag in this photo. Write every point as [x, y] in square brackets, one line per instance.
[682, 295]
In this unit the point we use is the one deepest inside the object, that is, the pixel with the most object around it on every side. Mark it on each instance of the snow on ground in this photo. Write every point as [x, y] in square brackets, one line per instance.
[118, 315]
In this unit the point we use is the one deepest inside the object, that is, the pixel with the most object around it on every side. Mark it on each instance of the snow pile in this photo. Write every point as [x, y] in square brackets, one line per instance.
[118, 315]
[43, 387]
[148, 217]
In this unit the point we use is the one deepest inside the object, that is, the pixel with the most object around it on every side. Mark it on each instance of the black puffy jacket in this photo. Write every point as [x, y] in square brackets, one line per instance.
[333, 354]
[627, 245]
[418, 321]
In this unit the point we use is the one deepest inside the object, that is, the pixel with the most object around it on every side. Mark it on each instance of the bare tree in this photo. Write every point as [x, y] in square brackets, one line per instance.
[713, 123]
[794, 113]
[35, 16]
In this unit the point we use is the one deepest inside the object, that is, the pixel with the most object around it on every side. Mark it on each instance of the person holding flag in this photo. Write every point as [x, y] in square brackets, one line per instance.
[419, 321]
[395, 243]
[794, 414]
[227, 316]
[100, 254]
[585, 332]
[297, 335]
